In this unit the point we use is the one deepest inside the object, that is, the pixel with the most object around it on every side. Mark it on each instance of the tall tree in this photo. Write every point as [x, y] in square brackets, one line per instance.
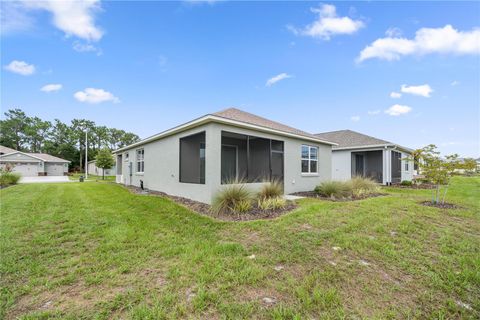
[13, 129]
[37, 132]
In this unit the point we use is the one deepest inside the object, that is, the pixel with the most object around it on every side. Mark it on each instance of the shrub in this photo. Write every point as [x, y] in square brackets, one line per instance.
[242, 206]
[334, 189]
[271, 189]
[8, 178]
[231, 198]
[362, 186]
[406, 183]
[266, 204]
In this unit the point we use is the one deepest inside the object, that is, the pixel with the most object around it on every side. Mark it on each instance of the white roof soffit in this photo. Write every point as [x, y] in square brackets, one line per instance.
[17, 160]
[212, 118]
[376, 146]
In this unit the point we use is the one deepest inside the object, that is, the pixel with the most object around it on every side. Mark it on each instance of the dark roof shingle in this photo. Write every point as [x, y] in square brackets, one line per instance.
[5, 150]
[246, 117]
[349, 138]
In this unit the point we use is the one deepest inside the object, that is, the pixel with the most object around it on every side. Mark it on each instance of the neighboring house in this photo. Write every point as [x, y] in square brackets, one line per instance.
[360, 155]
[196, 159]
[5, 150]
[33, 164]
[93, 169]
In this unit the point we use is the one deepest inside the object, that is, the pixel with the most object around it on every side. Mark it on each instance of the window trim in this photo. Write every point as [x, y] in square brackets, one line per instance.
[127, 157]
[137, 161]
[309, 159]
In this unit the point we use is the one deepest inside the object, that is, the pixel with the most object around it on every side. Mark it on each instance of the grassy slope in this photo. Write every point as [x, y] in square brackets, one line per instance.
[95, 250]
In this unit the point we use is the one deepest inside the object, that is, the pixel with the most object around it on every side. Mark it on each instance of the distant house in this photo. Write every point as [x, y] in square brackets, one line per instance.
[198, 158]
[357, 154]
[32, 164]
[93, 169]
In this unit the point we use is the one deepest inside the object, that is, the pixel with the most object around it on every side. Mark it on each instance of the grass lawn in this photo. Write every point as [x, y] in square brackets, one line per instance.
[76, 177]
[95, 250]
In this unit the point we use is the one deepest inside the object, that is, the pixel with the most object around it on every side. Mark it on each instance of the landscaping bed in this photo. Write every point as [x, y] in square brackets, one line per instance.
[440, 205]
[313, 194]
[426, 186]
[205, 209]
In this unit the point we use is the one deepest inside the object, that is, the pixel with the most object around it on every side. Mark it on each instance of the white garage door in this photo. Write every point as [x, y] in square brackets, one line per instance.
[54, 169]
[26, 169]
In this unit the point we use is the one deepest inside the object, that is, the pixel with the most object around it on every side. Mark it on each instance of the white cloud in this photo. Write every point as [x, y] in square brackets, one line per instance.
[393, 32]
[455, 83]
[395, 95]
[74, 18]
[14, 18]
[374, 112]
[397, 110]
[51, 87]
[422, 90]
[92, 95]
[20, 67]
[86, 47]
[355, 118]
[277, 78]
[328, 24]
[446, 40]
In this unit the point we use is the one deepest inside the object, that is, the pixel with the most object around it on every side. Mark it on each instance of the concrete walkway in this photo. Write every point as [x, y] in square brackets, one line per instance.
[46, 179]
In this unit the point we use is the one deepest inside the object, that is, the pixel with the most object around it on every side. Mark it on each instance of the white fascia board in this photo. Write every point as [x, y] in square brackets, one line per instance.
[212, 118]
[13, 160]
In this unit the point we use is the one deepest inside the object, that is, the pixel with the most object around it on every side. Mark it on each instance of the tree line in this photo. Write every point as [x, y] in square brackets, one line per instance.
[67, 141]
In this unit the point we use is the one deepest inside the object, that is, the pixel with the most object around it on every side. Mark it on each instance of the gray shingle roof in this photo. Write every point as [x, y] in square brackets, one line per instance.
[5, 150]
[47, 157]
[349, 138]
[246, 117]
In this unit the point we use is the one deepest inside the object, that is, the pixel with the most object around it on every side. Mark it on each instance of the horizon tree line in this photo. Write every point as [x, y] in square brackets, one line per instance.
[67, 141]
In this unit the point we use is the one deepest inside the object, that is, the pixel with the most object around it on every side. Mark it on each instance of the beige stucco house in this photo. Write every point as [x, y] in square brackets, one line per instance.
[198, 158]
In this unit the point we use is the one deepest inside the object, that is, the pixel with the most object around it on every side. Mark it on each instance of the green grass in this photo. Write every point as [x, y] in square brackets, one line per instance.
[76, 177]
[95, 250]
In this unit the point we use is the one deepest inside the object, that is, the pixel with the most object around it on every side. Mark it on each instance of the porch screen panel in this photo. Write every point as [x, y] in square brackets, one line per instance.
[259, 159]
[396, 166]
[192, 158]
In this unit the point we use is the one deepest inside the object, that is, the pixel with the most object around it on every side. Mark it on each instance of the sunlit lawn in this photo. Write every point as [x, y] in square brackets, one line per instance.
[95, 250]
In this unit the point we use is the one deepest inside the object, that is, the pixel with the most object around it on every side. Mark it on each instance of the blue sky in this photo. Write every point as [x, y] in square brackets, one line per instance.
[331, 65]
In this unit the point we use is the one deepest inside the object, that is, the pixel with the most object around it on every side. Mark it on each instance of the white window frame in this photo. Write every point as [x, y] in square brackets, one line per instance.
[140, 161]
[309, 159]
[126, 157]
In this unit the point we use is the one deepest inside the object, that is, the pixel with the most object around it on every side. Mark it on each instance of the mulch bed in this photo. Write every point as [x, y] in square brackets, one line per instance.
[440, 205]
[205, 209]
[413, 186]
[313, 194]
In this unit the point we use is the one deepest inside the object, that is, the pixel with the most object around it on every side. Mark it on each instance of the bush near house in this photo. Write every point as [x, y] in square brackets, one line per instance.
[271, 189]
[357, 187]
[334, 189]
[362, 186]
[8, 178]
[231, 198]
[406, 183]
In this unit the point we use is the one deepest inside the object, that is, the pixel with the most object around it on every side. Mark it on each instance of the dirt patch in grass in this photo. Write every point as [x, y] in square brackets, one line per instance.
[77, 296]
[205, 209]
[445, 205]
[313, 194]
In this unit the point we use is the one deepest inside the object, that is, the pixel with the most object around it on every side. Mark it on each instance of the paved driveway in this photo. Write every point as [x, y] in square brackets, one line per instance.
[46, 179]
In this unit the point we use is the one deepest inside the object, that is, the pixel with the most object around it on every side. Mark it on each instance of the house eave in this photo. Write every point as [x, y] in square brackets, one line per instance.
[374, 146]
[212, 118]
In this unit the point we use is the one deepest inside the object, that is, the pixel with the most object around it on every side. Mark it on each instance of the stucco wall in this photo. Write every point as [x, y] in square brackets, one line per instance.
[407, 174]
[341, 165]
[161, 171]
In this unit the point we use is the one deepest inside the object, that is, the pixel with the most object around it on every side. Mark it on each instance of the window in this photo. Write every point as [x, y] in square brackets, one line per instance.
[126, 156]
[192, 159]
[309, 159]
[406, 165]
[140, 160]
